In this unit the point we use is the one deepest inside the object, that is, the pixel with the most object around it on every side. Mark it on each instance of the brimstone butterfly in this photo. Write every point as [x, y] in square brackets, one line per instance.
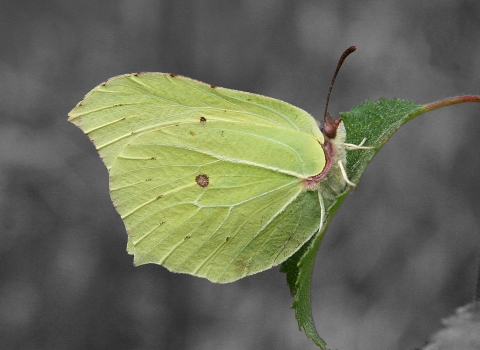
[209, 181]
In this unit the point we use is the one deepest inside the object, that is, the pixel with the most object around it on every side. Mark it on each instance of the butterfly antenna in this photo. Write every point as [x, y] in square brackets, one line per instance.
[340, 62]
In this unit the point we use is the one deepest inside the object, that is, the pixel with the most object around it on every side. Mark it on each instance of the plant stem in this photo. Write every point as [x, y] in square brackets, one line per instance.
[444, 103]
[449, 102]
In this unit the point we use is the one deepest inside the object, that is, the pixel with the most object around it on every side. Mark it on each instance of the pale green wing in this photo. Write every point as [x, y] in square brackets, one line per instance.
[162, 137]
[127, 105]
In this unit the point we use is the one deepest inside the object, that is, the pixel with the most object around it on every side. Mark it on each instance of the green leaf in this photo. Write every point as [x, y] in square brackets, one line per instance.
[377, 122]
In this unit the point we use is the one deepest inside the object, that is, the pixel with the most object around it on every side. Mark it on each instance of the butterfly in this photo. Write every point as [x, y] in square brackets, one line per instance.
[209, 181]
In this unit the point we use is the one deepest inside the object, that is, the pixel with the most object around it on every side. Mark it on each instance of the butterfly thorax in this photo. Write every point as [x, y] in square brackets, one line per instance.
[330, 182]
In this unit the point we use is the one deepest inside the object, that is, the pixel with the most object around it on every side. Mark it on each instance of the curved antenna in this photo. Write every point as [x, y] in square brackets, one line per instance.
[340, 62]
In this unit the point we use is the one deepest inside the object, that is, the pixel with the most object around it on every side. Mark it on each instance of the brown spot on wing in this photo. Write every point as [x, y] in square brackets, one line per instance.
[202, 180]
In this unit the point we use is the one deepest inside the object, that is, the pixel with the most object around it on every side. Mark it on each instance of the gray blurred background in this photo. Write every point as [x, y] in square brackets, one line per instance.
[400, 254]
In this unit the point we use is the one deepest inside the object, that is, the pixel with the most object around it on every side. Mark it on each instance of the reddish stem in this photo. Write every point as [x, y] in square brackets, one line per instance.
[450, 101]
[444, 103]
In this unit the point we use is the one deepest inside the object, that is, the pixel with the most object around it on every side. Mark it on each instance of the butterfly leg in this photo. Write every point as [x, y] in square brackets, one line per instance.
[344, 174]
[322, 211]
[351, 146]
